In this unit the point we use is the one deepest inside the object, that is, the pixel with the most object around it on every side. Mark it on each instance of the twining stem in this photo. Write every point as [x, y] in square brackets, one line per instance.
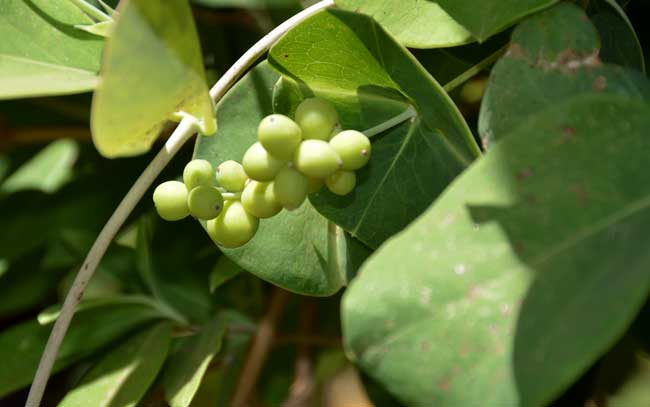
[91, 10]
[231, 196]
[407, 114]
[475, 70]
[183, 132]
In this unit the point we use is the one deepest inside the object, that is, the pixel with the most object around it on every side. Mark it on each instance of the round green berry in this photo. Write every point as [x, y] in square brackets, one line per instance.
[279, 135]
[170, 200]
[205, 203]
[317, 118]
[198, 173]
[233, 227]
[291, 188]
[260, 165]
[259, 199]
[353, 147]
[231, 175]
[341, 182]
[316, 159]
[315, 184]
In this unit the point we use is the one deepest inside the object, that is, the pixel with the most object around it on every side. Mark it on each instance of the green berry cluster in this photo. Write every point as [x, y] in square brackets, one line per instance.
[291, 159]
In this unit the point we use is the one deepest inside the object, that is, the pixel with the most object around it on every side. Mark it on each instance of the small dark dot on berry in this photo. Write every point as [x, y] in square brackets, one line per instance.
[364, 152]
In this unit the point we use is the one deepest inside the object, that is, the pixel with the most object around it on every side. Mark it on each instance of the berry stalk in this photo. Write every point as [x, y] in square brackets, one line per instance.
[183, 132]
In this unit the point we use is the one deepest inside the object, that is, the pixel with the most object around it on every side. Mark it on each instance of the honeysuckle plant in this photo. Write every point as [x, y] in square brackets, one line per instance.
[494, 257]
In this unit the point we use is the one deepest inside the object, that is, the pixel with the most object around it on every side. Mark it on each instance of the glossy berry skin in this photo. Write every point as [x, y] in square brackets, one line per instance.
[279, 135]
[315, 185]
[316, 159]
[234, 227]
[353, 147]
[291, 188]
[170, 199]
[205, 203]
[198, 173]
[317, 118]
[341, 182]
[259, 199]
[260, 165]
[231, 175]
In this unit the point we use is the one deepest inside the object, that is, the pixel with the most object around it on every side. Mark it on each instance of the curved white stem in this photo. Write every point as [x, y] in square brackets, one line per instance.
[183, 132]
[407, 114]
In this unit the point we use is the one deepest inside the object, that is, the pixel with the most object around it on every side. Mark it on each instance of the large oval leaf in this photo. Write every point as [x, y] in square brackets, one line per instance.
[297, 250]
[123, 376]
[553, 56]
[555, 215]
[42, 53]
[152, 68]
[414, 23]
[491, 16]
[350, 60]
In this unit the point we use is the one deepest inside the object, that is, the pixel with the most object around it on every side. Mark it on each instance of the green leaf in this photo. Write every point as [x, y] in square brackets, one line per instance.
[351, 61]
[123, 376]
[41, 53]
[186, 368]
[152, 68]
[486, 298]
[296, 250]
[252, 4]
[414, 23]
[224, 271]
[619, 43]
[553, 56]
[492, 16]
[21, 345]
[47, 171]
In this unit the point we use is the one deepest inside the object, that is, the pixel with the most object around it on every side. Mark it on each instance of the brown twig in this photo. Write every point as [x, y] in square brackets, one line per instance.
[302, 388]
[262, 342]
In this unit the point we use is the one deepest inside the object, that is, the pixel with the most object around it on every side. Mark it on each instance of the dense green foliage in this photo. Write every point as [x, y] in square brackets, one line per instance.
[423, 203]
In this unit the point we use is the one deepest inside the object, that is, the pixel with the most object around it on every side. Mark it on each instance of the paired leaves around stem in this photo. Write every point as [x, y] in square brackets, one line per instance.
[42, 53]
[152, 69]
[297, 250]
[506, 278]
[351, 61]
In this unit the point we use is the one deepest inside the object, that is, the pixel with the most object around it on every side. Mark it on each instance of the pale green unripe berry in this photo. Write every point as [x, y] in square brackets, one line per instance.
[315, 184]
[260, 165]
[316, 159]
[279, 135]
[205, 203]
[170, 199]
[259, 199]
[233, 227]
[197, 173]
[317, 118]
[341, 182]
[290, 187]
[231, 175]
[353, 147]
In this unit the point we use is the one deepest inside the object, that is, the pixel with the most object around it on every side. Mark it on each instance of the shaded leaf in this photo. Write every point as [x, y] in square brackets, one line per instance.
[296, 250]
[619, 43]
[186, 368]
[492, 16]
[46, 171]
[548, 63]
[122, 377]
[152, 68]
[436, 315]
[253, 4]
[21, 345]
[336, 55]
[414, 23]
[223, 271]
[41, 53]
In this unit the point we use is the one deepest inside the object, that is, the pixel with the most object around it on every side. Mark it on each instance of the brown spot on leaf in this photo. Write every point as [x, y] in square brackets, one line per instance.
[600, 83]
[524, 174]
[516, 51]
[581, 194]
[444, 384]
